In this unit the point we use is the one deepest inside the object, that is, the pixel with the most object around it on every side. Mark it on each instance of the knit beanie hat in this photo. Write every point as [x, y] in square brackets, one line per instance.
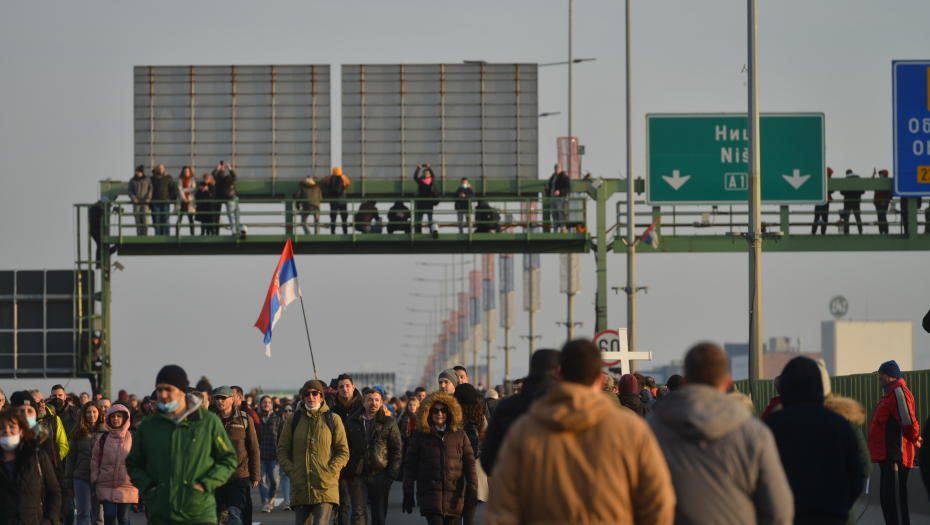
[173, 375]
[123, 395]
[140, 168]
[466, 394]
[451, 375]
[203, 385]
[628, 384]
[313, 384]
[891, 368]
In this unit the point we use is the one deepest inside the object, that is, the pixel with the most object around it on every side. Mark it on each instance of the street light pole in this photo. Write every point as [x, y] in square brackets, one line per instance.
[755, 205]
[630, 206]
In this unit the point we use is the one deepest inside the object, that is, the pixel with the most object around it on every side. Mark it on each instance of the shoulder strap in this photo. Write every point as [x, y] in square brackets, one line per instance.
[103, 439]
[332, 429]
[294, 419]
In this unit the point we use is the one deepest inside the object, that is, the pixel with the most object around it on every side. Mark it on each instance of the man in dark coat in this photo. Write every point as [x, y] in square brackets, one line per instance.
[541, 380]
[374, 460]
[817, 447]
[557, 189]
[463, 204]
[343, 404]
[398, 218]
[852, 202]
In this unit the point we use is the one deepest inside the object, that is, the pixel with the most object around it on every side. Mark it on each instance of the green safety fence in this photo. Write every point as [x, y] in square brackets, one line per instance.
[863, 388]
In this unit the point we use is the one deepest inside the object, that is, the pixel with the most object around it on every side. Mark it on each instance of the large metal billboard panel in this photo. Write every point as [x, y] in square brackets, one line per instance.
[269, 122]
[465, 120]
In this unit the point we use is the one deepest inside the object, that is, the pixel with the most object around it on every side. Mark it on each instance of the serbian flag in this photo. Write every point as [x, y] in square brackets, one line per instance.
[651, 236]
[284, 289]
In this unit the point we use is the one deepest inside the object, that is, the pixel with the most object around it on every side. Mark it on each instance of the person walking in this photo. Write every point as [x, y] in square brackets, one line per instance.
[337, 183]
[187, 186]
[775, 402]
[440, 467]
[226, 180]
[463, 203]
[207, 213]
[374, 461]
[724, 464]
[552, 467]
[629, 395]
[164, 192]
[558, 189]
[474, 425]
[77, 464]
[852, 202]
[407, 424]
[312, 451]
[817, 447]
[108, 472]
[345, 402]
[271, 433]
[286, 412]
[427, 193]
[543, 366]
[308, 198]
[140, 193]
[231, 498]
[30, 492]
[180, 455]
[894, 433]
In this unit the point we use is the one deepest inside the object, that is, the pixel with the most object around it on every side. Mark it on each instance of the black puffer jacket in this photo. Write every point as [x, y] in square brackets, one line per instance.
[379, 454]
[508, 410]
[21, 498]
[440, 467]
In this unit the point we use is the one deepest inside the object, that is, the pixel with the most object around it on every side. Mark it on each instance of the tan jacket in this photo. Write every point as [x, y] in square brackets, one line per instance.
[578, 458]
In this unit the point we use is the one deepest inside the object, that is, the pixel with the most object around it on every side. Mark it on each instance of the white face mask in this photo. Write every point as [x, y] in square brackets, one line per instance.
[9, 443]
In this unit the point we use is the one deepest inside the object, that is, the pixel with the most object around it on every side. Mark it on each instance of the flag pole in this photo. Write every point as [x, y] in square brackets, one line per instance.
[312, 360]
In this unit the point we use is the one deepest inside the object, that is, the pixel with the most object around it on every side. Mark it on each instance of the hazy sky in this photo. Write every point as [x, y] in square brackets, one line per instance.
[66, 122]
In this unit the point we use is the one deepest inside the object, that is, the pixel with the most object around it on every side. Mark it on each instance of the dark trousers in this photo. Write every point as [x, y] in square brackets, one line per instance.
[344, 513]
[439, 519]
[851, 207]
[321, 514]
[190, 218]
[369, 489]
[893, 493]
[334, 208]
[821, 216]
[231, 501]
[882, 210]
[470, 508]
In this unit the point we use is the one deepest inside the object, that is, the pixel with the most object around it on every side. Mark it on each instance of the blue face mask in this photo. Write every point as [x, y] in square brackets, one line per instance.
[31, 421]
[170, 407]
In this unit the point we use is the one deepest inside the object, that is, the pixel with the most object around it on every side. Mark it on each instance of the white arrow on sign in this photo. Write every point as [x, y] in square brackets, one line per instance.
[675, 181]
[797, 179]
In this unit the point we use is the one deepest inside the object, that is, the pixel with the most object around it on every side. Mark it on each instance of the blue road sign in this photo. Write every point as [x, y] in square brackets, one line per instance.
[911, 102]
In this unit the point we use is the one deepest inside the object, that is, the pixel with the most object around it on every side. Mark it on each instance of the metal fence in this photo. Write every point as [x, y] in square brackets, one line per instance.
[864, 388]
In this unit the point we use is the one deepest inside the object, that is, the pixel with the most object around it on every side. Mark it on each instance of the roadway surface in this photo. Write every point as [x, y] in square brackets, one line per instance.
[867, 507]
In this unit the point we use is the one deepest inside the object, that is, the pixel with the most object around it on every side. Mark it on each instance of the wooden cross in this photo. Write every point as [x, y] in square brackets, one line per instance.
[619, 352]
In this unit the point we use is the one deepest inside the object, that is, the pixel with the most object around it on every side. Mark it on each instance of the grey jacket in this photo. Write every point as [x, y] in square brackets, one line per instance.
[77, 463]
[140, 189]
[724, 463]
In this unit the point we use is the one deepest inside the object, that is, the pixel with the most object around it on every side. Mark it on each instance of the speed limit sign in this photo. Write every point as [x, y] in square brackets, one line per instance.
[611, 341]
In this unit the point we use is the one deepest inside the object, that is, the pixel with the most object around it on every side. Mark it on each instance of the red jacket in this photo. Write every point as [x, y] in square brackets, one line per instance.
[769, 409]
[894, 429]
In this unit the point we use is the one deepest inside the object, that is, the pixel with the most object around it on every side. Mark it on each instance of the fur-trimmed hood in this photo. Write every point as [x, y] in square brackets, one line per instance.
[455, 412]
[847, 407]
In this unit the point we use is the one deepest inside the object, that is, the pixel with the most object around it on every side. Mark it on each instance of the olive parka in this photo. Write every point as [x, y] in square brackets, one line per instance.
[312, 456]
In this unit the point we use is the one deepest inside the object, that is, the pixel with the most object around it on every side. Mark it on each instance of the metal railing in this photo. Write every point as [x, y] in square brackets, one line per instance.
[791, 220]
[358, 215]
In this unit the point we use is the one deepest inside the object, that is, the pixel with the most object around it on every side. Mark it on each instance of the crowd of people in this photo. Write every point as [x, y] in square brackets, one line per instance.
[852, 207]
[202, 202]
[571, 444]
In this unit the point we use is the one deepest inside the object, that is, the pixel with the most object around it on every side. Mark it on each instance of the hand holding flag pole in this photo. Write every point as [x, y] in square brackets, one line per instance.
[283, 290]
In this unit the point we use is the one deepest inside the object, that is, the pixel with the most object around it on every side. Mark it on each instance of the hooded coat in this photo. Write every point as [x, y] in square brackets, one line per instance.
[817, 447]
[577, 458]
[108, 464]
[309, 195]
[724, 463]
[440, 467]
[854, 413]
[312, 456]
[33, 496]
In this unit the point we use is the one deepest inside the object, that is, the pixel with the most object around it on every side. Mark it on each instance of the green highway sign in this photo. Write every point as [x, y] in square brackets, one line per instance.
[703, 158]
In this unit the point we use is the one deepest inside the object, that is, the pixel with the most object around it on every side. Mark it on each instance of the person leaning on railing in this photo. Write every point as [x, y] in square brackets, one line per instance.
[337, 184]
[560, 186]
[308, 199]
[207, 209]
[163, 191]
[140, 193]
[226, 191]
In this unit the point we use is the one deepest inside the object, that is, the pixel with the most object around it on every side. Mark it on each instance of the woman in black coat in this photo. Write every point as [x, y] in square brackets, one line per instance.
[207, 213]
[426, 189]
[440, 463]
[30, 492]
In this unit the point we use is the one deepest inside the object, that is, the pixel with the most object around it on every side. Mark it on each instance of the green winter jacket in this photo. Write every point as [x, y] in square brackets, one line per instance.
[315, 479]
[173, 457]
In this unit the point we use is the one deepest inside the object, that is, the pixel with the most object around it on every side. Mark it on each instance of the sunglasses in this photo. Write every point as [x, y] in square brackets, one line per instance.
[312, 393]
[439, 410]
[288, 410]
[220, 398]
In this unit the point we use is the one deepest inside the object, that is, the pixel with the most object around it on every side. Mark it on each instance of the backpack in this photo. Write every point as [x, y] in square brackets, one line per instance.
[329, 424]
[337, 186]
[103, 439]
